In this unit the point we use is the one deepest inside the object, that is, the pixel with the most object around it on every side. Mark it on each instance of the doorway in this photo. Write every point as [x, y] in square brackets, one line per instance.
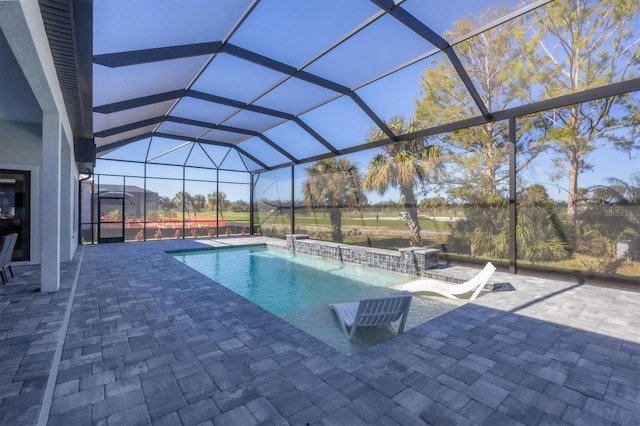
[111, 220]
[15, 210]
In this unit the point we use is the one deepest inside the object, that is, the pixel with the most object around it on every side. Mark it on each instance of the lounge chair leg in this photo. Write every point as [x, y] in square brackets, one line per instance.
[11, 270]
[403, 321]
[353, 333]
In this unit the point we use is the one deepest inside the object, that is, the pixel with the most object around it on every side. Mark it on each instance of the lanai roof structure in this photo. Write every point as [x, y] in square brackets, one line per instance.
[127, 334]
[255, 85]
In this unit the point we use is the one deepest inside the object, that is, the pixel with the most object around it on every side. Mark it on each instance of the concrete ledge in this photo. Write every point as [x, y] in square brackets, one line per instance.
[411, 260]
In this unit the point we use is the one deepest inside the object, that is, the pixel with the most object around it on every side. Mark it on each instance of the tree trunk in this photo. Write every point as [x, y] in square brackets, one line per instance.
[336, 224]
[412, 216]
[572, 200]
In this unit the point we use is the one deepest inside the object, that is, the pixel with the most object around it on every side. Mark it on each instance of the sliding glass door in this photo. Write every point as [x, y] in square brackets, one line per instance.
[15, 210]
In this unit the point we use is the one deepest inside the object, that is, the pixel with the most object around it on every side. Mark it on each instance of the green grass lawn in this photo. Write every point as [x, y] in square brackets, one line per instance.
[235, 216]
[368, 221]
[349, 218]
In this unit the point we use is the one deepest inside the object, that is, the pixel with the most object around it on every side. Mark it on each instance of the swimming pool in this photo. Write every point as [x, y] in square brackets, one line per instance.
[299, 288]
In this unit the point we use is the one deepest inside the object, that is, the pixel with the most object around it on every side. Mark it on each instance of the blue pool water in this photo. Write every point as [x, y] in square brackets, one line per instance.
[299, 288]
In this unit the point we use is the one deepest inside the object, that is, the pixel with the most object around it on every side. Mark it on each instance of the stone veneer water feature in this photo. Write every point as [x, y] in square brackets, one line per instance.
[411, 260]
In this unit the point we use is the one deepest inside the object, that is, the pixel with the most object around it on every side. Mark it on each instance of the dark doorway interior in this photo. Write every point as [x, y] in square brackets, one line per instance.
[15, 210]
[111, 219]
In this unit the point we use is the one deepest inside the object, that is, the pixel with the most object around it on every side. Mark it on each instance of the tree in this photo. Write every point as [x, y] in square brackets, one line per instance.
[610, 217]
[183, 200]
[166, 205]
[539, 233]
[239, 206]
[217, 201]
[582, 44]
[478, 165]
[333, 184]
[198, 203]
[403, 165]
[433, 203]
[477, 173]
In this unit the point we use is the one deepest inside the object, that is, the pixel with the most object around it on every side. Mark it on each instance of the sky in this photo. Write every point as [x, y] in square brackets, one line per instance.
[297, 31]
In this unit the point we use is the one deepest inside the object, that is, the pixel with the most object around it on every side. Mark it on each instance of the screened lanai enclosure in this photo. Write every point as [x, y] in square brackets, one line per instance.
[493, 130]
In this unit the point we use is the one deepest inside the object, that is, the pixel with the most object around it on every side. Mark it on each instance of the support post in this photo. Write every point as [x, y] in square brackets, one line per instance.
[218, 203]
[50, 201]
[513, 217]
[184, 201]
[251, 210]
[293, 201]
[67, 194]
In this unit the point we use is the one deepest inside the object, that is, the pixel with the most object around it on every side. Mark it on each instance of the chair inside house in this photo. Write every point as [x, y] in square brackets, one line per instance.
[372, 312]
[6, 252]
[473, 286]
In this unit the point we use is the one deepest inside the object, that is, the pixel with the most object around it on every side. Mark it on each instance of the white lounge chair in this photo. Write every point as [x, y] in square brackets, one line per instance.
[475, 285]
[372, 312]
[6, 252]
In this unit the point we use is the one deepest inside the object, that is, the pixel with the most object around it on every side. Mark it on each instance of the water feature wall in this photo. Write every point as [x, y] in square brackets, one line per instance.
[411, 260]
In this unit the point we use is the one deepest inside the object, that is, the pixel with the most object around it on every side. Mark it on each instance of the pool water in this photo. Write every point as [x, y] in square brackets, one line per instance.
[299, 288]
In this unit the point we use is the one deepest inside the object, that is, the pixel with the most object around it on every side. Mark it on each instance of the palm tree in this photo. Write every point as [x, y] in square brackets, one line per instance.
[403, 165]
[216, 201]
[183, 200]
[198, 203]
[334, 184]
[166, 205]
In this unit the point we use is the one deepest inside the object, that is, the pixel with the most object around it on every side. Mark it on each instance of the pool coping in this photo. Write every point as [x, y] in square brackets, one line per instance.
[417, 261]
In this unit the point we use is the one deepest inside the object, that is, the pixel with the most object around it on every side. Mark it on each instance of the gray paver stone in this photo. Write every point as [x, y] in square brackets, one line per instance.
[412, 401]
[307, 416]
[343, 417]
[97, 379]
[612, 413]
[542, 402]
[75, 400]
[566, 395]
[290, 403]
[237, 416]
[579, 417]
[521, 412]
[476, 412]
[402, 417]
[66, 388]
[438, 414]
[499, 419]
[464, 374]
[586, 385]
[535, 383]
[165, 402]
[122, 386]
[133, 416]
[115, 404]
[487, 393]
[198, 412]
[261, 409]
[451, 382]
[387, 385]
[229, 400]
[304, 380]
[371, 406]
[170, 419]
[77, 416]
[355, 389]
[197, 386]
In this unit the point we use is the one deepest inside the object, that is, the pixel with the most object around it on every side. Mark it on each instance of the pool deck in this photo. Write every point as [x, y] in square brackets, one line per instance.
[147, 340]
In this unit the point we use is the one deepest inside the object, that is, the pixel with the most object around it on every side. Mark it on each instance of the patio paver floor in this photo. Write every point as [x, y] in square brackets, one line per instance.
[151, 341]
